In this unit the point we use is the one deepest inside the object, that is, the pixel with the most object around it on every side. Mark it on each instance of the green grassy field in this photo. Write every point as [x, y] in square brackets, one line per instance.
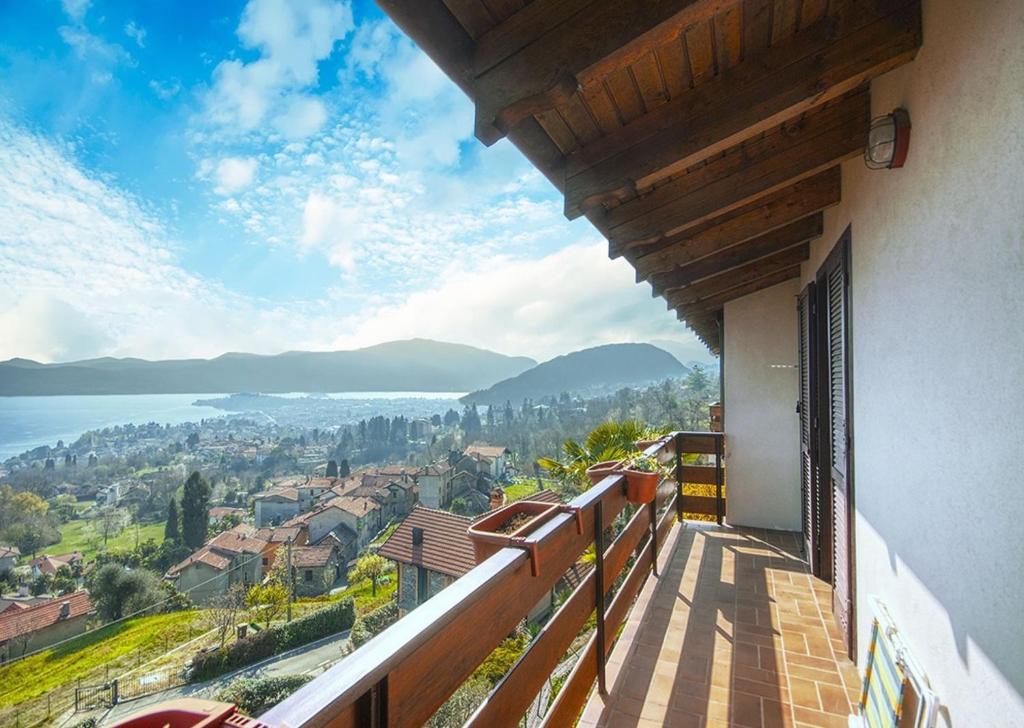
[519, 490]
[79, 535]
[89, 658]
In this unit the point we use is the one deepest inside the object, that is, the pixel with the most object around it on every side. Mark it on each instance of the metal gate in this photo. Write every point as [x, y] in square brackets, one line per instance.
[90, 697]
[135, 686]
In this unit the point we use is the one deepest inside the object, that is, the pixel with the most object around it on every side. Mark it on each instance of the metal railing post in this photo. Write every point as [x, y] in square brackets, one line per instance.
[372, 707]
[654, 535]
[599, 600]
[679, 476]
[718, 479]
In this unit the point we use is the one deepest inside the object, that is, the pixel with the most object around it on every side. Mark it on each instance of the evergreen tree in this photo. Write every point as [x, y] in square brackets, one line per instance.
[171, 531]
[195, 511]
[332, 469]
[343, 470]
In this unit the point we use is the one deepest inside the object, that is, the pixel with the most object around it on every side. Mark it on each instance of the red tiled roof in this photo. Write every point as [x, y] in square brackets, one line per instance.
[9, 551]
[279, 534]
[544, 496]
[241, 539]
[446, 547]
[205, 555]
[310, 556]
[41, 616]
[221, 511]
[358, 506]
[288, 494]
[484, 450]
[50, 564]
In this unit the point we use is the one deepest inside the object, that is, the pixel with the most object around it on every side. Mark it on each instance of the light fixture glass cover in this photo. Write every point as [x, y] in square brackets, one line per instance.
[888, 141]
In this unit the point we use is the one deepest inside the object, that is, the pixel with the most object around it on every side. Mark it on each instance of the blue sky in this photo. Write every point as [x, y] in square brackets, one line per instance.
[272, 175]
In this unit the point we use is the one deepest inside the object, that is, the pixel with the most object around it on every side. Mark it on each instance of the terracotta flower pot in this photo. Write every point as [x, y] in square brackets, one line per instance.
[641, 487]
[488, 534]
[599, 471]
[642, 445]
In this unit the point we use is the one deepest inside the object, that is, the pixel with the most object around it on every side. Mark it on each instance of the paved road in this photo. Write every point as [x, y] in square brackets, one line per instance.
[311, 659]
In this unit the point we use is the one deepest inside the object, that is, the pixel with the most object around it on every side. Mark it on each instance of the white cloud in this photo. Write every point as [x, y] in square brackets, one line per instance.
[92, 48]
[86, 270]
[302, 116]
[166, 91]
[235, 174]
[136, 33]
[76, 9]
[572, 299]
[292, 38]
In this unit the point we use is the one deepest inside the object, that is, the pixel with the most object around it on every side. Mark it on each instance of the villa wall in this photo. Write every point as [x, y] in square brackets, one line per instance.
[761, 424]
[937, 307]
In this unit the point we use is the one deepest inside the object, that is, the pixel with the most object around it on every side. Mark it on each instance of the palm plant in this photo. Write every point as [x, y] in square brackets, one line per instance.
[608, 441]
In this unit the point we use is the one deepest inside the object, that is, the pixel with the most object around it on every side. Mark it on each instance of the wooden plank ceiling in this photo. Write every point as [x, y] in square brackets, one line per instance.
[701, 137]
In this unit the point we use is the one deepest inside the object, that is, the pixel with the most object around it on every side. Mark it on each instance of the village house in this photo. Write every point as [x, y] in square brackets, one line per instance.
[274, 507]
[492, 459]
[431, 549]
[435, 484]
[25, 629]
[236, 556]
[9, 556]
[316, 568]
[49, 565]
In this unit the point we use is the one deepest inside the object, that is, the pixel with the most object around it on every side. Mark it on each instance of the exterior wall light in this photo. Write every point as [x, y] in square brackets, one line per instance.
[888, 141]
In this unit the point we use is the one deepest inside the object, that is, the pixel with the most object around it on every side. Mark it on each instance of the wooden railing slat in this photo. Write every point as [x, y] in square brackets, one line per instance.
[513, 695]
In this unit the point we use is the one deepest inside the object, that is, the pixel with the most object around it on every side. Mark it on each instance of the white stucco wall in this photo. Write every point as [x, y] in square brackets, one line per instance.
[761, 424]
[938, 361]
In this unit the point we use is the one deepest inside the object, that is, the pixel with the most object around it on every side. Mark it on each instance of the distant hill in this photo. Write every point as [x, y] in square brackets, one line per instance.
[406, 366]
[590, 371]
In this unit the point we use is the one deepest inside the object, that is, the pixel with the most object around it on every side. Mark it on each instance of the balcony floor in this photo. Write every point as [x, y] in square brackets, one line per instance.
[735, 632]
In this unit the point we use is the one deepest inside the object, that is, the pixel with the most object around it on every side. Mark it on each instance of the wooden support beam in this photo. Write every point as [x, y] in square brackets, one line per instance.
[707, 306]
[795, 151]
[815, 67]
[739, 255]
[773, 211]
[592, 40]
[738, 277]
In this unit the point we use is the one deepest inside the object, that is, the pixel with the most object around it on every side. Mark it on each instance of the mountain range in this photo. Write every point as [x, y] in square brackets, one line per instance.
[410, 365]
[590, 371]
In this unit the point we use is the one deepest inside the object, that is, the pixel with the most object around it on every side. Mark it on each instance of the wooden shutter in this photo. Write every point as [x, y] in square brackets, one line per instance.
[834, 276]
[810, 501]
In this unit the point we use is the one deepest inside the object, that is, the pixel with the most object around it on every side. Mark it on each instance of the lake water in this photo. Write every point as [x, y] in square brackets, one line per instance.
[28, 422]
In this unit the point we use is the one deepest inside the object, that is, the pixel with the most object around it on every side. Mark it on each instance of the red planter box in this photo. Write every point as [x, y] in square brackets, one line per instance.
[487, 541]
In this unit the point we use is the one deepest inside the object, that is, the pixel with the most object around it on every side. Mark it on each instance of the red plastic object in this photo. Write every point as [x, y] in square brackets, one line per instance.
[641, 487]
[599, 471]
[486, 542]
[189, 713]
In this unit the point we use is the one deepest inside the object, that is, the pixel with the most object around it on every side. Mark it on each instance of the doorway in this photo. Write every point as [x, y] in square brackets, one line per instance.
[826, 442]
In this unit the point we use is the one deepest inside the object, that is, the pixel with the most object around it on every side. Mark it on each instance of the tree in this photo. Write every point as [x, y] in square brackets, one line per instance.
[222, 615]
[28, 539]
[109, 522]
[607, 441]
[171, 532]
[195, 511]
[372, 567]
[117, 591]
[271, 597]
[332, 469]
[344, 470]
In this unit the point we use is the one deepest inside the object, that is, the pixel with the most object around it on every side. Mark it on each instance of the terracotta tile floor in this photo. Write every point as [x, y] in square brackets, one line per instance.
[735, 632]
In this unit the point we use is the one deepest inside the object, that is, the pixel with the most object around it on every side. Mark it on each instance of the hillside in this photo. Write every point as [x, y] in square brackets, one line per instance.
[590, 371]
[412, 365]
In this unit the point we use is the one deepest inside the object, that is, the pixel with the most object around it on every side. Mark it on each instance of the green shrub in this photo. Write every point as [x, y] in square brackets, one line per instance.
[258, 695]
[324, 622]
[373, 623]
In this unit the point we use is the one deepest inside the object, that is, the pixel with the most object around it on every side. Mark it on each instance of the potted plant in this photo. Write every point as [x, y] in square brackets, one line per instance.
[509, 526]
[642, 445]
[643, 474]
[599, 471]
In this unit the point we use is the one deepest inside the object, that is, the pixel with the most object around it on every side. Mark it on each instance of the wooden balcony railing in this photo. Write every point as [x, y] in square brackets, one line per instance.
[402, 676]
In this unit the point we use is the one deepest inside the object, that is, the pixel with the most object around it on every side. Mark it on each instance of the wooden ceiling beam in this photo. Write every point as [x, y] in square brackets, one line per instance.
[793, 152]
[769, 213]
[709, 305]
[573, 44]
[739, 255]
[751, 98]
[738, 277]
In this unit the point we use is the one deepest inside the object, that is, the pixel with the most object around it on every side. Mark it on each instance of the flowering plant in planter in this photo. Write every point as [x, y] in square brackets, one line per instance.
[643, 473]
